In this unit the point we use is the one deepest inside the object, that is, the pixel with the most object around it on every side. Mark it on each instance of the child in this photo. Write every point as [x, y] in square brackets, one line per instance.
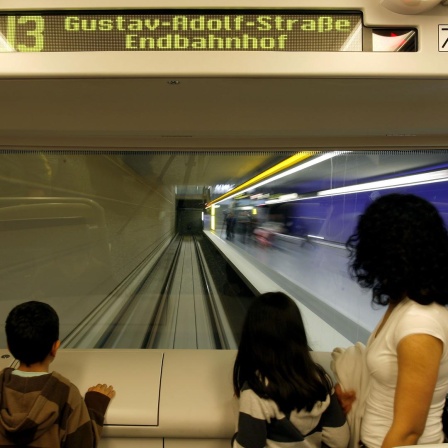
[285, 399]
[44, 409]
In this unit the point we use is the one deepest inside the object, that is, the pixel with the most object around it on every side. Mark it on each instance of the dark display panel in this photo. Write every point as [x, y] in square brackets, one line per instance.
[181, 30]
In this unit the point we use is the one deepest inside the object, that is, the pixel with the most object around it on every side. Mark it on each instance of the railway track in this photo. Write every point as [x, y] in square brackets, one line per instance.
[174, 304]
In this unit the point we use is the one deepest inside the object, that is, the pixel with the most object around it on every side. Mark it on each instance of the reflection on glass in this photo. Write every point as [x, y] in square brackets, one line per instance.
[399, 39]
[122, 245]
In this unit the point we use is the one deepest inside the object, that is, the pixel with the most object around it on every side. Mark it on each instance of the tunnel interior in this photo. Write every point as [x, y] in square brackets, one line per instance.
[86, 231]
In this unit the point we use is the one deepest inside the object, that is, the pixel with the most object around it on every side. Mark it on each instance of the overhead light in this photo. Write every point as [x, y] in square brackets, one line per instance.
[397, 182]
[222, 188]
[317, 237]
[258, 196]
[265, 174]
[269, 175]
[301, 167]
[283, 198]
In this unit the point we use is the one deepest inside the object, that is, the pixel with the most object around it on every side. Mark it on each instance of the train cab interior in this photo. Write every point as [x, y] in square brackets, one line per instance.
[119, 169]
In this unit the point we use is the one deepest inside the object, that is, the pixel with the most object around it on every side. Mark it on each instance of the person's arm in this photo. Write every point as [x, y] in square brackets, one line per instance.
[345, 398]
[97, 400]
[419, 357]
[85, 423]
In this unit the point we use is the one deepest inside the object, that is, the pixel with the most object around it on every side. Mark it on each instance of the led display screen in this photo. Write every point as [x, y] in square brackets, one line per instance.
[181, 30]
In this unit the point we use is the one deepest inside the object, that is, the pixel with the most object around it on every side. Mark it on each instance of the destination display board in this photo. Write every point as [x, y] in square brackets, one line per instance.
[181, 30]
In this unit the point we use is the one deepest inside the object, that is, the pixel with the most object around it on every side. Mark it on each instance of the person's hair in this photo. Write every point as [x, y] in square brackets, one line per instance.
[400, 249]
[273, 356]
[31, 330]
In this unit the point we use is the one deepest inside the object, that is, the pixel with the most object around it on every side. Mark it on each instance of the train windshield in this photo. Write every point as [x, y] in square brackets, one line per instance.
[168, 249]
